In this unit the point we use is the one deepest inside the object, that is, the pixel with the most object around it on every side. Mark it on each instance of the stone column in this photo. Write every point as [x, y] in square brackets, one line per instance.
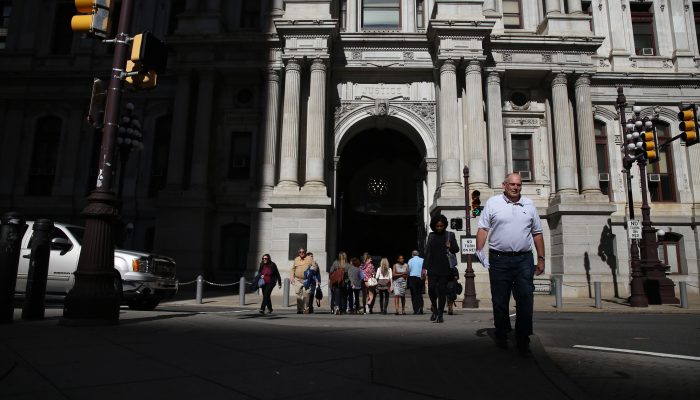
[411, 16]
[202, 137]
[289, 163]
[351, 16]
[552, 6]
[574, 6]
[315, 127]
[563, 137]
[448, 135]
[497, 154]
[489, 5]
[476, 147]
[271, 123]
[276, 11]
[178, 140]
[586, 137]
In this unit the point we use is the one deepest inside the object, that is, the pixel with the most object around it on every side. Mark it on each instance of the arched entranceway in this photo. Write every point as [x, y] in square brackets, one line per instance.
[380, 194]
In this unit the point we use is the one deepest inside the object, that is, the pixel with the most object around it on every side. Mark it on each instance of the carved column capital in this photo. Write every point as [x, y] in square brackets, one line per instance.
[273, 75]
[473, 66]
[448, 66]
[292, 64]
[583, 80]
[559, 79]
[494, 78]
[318, 64]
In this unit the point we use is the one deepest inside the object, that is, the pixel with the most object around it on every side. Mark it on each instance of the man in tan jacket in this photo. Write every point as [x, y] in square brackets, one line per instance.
[301, 263]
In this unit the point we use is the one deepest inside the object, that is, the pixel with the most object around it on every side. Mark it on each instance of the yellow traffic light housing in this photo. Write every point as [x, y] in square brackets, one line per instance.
[476, 203]
[94, 18]
[688, 125]
[650, 146]
[148, 58]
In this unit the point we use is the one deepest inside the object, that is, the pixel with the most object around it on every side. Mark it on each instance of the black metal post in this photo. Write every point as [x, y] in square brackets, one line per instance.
[470, 300]
[12, 230]
[38, 270]
[637, 297]
[93, 298]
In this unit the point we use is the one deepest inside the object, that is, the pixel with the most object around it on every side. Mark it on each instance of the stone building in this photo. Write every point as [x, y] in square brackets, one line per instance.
[346, 124]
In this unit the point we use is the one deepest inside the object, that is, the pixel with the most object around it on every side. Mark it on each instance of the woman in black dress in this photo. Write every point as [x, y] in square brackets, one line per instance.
[269, 273]
[438, 265]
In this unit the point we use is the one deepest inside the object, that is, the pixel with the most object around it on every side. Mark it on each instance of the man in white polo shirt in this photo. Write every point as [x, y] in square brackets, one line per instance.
[511, 223]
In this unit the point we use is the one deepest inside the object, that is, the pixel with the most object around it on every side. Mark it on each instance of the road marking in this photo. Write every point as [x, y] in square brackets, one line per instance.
[645, 353]
[512, 315]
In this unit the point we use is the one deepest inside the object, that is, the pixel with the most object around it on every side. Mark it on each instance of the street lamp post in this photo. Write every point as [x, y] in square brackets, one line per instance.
[637, 296]
[130, 139]
[470, 300]
[94, 298]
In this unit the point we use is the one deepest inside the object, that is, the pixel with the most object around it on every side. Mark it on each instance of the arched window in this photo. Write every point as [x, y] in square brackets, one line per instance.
[601, 150]
[42, 172]
[159, 157]
[234, 249]
[662, 185]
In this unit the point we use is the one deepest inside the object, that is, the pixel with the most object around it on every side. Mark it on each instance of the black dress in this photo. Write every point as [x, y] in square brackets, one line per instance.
[439, 272]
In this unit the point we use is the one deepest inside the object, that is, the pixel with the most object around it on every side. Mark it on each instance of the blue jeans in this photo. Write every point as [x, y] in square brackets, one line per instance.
[512, 273]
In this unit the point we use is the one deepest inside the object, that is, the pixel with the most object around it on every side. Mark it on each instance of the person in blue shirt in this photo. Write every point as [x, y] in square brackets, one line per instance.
[416, 281]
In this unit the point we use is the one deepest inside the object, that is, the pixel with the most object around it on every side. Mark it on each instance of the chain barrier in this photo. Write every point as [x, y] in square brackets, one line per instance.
[221, 284]
[186, 283]
[575, 286]
[691, 285]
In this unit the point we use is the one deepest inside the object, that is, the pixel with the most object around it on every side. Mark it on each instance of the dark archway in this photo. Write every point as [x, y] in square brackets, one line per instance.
[380, 188]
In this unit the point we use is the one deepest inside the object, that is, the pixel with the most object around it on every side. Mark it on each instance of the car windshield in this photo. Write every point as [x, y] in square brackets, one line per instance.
[77, 233]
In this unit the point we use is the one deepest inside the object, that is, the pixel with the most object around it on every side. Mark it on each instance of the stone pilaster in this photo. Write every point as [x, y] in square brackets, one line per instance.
[448, 134]
[179, 131]
[289, 163]
[202, 137]
[563, 137]
[271, 124]
[497, 155]
[586, 137]
[351, 17]
[574, 6]
[489, 5]
[315, 127]
[552, 6]
[476, 147]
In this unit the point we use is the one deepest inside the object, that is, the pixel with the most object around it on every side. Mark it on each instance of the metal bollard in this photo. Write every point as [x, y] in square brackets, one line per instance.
[285, 293]
[683, 286]
[200, 289]
[558, 292]
[241, 292]
[38, 270]
[12, 230]
[598, 301]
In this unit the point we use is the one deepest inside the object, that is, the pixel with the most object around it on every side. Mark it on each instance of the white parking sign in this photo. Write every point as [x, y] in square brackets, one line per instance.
[635, 229]
[468, 245]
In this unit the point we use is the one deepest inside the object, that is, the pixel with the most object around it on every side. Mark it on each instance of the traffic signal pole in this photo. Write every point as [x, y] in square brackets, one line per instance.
[470, 300]
[94, 299]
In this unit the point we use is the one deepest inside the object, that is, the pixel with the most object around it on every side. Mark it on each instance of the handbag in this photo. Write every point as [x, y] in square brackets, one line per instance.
[261, 281]
[452, 257]
[372, 281]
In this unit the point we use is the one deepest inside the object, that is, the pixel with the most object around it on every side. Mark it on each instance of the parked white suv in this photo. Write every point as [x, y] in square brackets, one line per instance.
[144, 279]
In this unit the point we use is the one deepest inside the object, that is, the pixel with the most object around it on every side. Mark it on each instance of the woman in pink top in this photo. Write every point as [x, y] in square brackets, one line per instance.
[370, 283]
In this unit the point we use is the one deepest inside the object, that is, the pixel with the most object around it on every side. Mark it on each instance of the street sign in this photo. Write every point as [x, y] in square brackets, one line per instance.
[634, 227]
[468, 245]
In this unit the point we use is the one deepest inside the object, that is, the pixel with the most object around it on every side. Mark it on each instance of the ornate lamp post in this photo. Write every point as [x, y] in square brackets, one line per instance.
[94, 299]
[470, 300]
[637, 298]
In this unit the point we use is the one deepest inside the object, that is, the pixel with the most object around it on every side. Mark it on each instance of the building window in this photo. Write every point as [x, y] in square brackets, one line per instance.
[381, 14]
[45, 156]
[660, 177]
[250, 14]
[601, 149]
[511, 14]
[343, 15]
[696, 14]
[5, 12]
[669, 252]
[587, 8]
[159, 158]
[522, 155]
[177, 7]
[62, 34]
[420, 14]
[643, 29]
[239, 161]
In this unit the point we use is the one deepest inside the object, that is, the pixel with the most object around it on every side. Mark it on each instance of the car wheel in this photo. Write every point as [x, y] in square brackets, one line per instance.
[144, 303]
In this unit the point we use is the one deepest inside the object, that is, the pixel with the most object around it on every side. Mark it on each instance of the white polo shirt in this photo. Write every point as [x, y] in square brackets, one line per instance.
[510, 224]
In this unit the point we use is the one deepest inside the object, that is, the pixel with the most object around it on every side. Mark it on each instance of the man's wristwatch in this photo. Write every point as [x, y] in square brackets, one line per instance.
[540, 258]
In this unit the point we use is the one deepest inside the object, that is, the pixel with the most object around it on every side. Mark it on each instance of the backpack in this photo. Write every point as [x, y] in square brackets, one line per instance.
[337, 277]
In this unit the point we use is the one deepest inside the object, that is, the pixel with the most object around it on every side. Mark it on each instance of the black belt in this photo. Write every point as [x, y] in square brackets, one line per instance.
[509, 253]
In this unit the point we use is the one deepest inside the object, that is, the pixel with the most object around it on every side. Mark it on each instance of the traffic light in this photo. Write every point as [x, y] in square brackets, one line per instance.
[688, 125]
[649, 144]
[456, 224]
[149, 55]
[476, 203]
[94, 18]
